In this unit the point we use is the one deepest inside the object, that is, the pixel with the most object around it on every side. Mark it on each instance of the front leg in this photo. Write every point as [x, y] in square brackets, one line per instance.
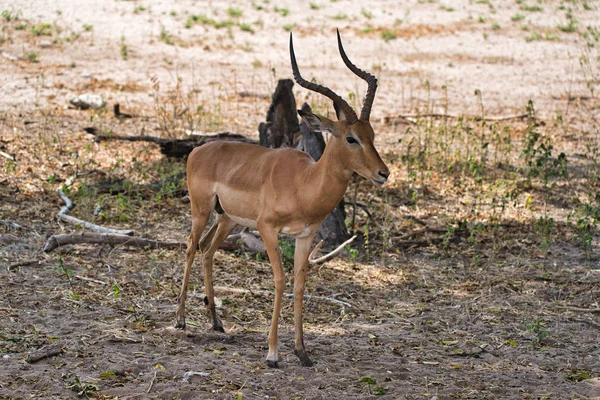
[269, 235]
[303, 246]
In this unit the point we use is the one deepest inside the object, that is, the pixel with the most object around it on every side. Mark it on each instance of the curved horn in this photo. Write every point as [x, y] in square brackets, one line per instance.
[371, 81]
[325, 91]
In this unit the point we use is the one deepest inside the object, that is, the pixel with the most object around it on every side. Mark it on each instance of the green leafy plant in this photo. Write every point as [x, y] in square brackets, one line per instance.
[234, 12]
[124, 49]
[287, 253]
[388, 34]
[115, 292]
[283, 11]
[43, 29]
[534, 8]
[371, 385]
[82, 388]
[538, 331]
[60, 268]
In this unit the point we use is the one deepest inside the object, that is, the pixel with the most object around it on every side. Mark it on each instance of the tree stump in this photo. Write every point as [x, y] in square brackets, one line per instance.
[282, 121]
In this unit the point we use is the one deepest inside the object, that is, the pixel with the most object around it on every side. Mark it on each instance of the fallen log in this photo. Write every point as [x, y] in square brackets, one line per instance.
[243, 241]
[44, 352]
[174, 148]
[111, 239]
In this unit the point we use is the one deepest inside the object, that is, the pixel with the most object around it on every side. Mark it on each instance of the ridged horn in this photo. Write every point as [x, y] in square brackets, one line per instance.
[370, 79]
[349, 113]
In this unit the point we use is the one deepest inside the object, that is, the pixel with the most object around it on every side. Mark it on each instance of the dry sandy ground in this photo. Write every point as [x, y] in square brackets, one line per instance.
[485, 321]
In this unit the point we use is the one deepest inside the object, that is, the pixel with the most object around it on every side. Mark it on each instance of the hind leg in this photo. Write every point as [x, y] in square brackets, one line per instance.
[224, 226]
[199, 220]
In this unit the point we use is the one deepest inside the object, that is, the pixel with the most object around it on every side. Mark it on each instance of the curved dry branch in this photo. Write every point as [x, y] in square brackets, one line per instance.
[69, 205]
[334, 253]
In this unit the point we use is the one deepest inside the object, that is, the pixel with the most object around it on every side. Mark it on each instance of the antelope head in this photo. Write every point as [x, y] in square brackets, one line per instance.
[352, 138]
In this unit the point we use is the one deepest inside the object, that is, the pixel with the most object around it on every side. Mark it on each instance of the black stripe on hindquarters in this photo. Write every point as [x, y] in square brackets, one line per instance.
[218, 207]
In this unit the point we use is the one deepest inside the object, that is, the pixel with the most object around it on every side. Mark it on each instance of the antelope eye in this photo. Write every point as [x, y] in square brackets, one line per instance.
[351, 140]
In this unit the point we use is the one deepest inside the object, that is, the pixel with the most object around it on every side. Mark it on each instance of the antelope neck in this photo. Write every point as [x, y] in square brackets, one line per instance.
[330, 175]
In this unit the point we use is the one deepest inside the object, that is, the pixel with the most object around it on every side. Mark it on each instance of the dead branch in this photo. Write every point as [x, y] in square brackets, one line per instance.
[85, 278]
[177, 148]
[69, 205]
[334, 253]
[578, 309]
[412, 117]
[152, 382]
[321, 298]
[6, 155]
[287, 295]
[10, 224]
[241, 241]
[585, 321]
[244, 240]
[365, 208]
[21, 264]
[44, 352]
[425, 243]
[112, 239]
[314, 251]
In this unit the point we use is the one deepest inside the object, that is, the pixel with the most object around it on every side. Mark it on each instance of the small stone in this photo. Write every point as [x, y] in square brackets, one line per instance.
[85, 101]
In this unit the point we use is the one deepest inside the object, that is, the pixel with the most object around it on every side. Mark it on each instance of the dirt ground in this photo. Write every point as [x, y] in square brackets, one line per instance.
[476, 274]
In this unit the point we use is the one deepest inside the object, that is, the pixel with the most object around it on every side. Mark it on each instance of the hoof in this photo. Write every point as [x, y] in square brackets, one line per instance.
[218, 328]
[180, 325]
[305, 361]
[272, 364]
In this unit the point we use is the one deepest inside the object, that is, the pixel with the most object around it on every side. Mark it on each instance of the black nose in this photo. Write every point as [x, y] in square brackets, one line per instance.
[384, 174]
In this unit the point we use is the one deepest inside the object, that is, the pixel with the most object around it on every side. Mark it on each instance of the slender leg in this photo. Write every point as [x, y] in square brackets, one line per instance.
[269, 236]
[224, 226]
[303, 246]
[198, 223]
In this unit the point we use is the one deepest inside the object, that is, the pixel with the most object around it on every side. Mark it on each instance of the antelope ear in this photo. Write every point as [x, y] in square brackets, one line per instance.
[339, 113]
[318, 123]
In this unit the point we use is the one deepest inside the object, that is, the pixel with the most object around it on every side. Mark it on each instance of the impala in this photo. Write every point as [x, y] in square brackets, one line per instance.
[278, 190]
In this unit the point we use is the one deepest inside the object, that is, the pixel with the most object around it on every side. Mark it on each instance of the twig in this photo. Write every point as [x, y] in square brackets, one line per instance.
[585, 321]
[334, 253]
[44, 352]
[323, 298]
[85, 278]
[578, 309]
[151, 382]
[10, 224]
[122, 339]
[6, 155]
[365, 208]
[69, 205]
[313, 253]
[21, 264]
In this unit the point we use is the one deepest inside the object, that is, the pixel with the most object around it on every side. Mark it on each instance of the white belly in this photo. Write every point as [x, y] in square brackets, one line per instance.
[249, 223]
[297, 233]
